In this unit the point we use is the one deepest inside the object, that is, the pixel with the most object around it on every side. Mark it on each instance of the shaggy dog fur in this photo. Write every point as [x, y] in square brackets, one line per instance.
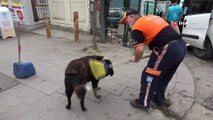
[78, 73]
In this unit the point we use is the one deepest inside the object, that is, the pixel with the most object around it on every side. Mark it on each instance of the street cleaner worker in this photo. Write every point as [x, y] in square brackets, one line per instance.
[168, 51]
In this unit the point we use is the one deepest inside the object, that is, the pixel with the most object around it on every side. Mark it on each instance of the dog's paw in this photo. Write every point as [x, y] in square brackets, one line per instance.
[84, 109]
[68, 107]
[98, 96]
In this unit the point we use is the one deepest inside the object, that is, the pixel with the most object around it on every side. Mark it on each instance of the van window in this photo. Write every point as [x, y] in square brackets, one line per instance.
[149, 8]
[197, 6]
[135, 4]
[113, 13]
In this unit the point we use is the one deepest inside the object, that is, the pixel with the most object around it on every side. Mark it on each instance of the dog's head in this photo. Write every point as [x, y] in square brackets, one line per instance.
[109, 67]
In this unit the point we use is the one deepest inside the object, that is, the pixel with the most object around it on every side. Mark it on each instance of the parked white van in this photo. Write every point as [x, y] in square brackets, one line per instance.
[197, 26]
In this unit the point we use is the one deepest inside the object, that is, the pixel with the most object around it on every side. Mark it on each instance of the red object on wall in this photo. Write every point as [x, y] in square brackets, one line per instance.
[20, 15]
[98, 6]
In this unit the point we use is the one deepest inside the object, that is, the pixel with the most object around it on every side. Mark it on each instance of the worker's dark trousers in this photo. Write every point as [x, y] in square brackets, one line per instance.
[161, 66]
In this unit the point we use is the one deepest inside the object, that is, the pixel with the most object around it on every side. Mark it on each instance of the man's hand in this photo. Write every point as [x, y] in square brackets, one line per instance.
[133, 60]
[138, 54]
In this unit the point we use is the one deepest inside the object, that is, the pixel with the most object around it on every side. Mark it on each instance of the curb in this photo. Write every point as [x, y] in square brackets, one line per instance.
[182, 93]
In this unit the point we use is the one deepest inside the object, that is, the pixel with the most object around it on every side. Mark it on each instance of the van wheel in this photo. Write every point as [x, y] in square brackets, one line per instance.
[205, 53]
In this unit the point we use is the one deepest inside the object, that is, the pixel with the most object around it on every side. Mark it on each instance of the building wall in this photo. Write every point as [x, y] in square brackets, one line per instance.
[28, 23]
[61, 13]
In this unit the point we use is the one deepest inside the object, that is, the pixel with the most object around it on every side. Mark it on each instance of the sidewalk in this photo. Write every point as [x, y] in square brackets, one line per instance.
[41, 97]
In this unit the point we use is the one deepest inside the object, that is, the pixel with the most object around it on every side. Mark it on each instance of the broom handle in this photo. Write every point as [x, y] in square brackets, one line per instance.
[19, 45]
[128, 61]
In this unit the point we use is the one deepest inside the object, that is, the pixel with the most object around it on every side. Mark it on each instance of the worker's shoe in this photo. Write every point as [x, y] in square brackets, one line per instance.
[135, 103]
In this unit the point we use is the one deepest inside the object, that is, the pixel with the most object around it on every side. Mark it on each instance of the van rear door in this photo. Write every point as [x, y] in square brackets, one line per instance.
[196, 21]
[195, 28]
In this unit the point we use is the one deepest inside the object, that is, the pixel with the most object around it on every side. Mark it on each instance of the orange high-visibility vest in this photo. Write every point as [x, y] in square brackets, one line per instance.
[150, 26]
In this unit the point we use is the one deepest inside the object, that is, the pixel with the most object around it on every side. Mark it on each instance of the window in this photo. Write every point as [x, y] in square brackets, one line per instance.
[149, 8]
[197, 6]
[113, 13]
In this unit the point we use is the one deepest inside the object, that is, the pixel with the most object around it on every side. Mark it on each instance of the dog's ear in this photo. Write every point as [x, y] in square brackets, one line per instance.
[98, 57]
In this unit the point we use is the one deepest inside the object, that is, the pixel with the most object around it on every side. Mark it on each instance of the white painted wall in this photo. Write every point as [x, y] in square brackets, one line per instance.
[61, 13]
[28, 23]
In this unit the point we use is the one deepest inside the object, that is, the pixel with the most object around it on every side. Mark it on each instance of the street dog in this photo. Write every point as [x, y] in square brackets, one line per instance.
[83, 70]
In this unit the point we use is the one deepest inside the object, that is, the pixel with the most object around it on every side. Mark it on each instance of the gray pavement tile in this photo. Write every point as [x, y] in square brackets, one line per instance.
[8, 70]
[2, 117]
[117, 116]
[32, 115]
[198, 112]
[61, 91]
[184, 89]
[184, 76]
[7, 102]
[44, 118]
[61, 113]
[27, 94]
[170, 88]
[205, 75]
[47, 87]
[129, 94]
[49, 103]
[180, 104]
[6, 82]
[115, 89]
[136, 115]
[95, 111]
[118, 104]
[90, 95]
[156, 115]
[16, 112]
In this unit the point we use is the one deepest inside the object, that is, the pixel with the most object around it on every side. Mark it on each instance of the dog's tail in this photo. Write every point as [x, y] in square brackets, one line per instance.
[80, 91]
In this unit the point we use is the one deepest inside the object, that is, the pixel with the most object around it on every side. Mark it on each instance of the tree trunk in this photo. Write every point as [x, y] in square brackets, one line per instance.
[94, 26]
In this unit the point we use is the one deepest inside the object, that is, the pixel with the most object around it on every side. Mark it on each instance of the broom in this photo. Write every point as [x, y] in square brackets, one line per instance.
[22, 69]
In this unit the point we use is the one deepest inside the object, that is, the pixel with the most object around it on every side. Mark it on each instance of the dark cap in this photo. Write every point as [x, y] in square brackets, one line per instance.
[127, 13]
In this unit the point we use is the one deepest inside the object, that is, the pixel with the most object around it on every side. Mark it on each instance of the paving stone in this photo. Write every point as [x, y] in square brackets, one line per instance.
[47, 87]
[44, 118]
[6, 82]
[5, 105]
[118, 104]
[90, 95]
[180, 104]
[184, 89]
[156, 115]
[170, 89]
[61, 113]
[32, 115]
[184, 76]
[27, 94]
[129, 94]
[16, 112]
[2, 117]
[198, 112]
[49, 103]
[95, 111]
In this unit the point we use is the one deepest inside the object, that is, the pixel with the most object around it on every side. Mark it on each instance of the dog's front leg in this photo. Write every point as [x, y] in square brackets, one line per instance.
[95, 88]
